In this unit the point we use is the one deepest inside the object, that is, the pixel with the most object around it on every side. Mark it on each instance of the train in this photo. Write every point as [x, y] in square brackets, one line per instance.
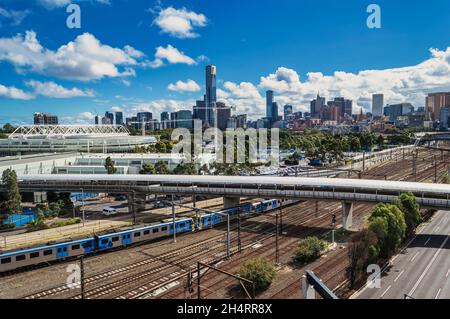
[50, 253]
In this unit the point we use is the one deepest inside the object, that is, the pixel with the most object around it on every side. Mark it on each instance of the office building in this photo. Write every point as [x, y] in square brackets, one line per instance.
[165, 116]
[288, 110]
[45, 119]
[269, 104]
[119, 118]
[223, 114]
[110, 117]
[434, 102]
[211, 95]
[377, 105]
[396, 110]
[316, 106]
[274, 113]
[184, 119]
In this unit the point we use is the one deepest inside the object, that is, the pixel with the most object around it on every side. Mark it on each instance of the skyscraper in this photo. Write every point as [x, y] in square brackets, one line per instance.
[45, 119]
[274, 112]
[165, 116]
[110, 117]
[287, 111]
[269, 104]
[211, 95]
[377, 104]
[434, 103]
[223, 114]
[316, 106]
[119, 118]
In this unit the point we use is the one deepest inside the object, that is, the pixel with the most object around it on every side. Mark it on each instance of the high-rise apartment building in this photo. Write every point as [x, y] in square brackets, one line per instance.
[288, 110]
[119, 118]
[377, 105]
[45, 119]
[434, 103]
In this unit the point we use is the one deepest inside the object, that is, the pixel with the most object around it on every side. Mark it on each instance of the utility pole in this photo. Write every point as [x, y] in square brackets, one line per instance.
[82, 205]
[83, 294]
[239, 231]
[199, 294]
[133, 207]
[174, 222]
[364, 162]
[228, 237]
[281, 218]
[277, 230]
[435, 169]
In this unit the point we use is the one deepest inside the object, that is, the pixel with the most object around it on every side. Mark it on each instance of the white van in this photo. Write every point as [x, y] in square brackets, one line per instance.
[108, 211]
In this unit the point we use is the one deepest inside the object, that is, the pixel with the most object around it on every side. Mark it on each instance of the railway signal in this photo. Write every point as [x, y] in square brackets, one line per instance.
[333, 220]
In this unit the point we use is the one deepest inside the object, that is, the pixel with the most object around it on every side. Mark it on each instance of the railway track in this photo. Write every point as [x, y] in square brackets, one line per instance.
[161, 271]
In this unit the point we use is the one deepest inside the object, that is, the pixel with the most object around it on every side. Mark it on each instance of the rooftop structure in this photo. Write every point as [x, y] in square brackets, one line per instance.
[72, 138]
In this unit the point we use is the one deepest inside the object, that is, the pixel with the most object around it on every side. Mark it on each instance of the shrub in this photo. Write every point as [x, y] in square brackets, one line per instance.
[258, 270]
[309, 249]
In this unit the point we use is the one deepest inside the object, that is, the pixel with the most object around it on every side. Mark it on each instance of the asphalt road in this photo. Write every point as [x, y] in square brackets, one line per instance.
[421, 271]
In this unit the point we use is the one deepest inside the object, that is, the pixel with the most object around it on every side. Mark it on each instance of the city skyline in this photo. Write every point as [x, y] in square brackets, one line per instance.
[158, 68]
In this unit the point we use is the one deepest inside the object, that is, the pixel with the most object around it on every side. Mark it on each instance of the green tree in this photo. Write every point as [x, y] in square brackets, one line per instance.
[354, 144]
[109, 165]
[148, 169]
[411, 209]
[388, 223]
[362, 251]
[162, 168]
[8, 128]
[258, 270]
[309, 249]
[13, 200]
[185, 169]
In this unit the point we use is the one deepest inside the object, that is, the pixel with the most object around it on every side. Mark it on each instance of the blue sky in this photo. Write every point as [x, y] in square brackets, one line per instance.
[295, 48]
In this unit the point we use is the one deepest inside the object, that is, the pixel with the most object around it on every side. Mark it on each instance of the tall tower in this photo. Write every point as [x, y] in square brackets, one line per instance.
[377, 105]
[269, 104]
[211, 95]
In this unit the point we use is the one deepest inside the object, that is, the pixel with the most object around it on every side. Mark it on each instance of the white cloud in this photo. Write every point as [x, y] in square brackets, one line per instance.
[83, 59]
[170, 54]
[14, 16]
[53, 90]
[14, 93]
[116, 109]
[188, 86]
[87, 116]
[406, 84]
[179, 23]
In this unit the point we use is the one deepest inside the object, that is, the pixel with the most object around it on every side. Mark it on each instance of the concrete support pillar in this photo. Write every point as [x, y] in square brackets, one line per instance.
[230, 202]
[136, 202]
[307, 289]
[347, 215]
[40, 197]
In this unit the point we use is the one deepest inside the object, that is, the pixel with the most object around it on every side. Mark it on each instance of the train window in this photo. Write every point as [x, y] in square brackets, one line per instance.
[164, 228]
[87, 244]
[181, 225]
[146, 232]
[20, 257]
[75, 247]
[34, 255]
[114, 239]
[104, 241]
[48, 252]
[155, 230]
[137, 234]
[6, 261]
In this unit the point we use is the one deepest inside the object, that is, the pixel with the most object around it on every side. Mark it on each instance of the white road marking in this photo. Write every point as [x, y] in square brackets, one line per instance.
[401, 273]
[414, 257]
[448, 272]
[385, 291]
[428, 240]
[428, 267]
[438, 293]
